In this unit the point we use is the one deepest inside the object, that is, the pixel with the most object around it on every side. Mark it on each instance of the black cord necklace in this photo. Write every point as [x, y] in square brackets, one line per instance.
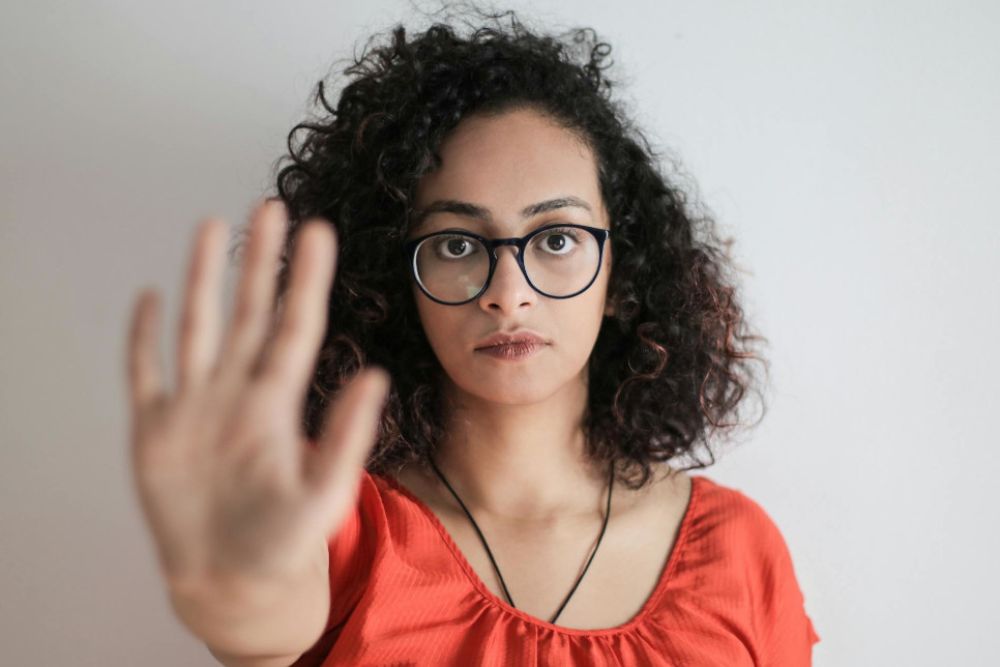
[503, 584]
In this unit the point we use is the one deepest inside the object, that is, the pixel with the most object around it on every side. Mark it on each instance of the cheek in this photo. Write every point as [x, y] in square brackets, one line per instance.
[441, 326]
[575, 326]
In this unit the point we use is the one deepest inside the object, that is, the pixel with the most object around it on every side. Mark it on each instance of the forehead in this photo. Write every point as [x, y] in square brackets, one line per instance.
[508, 162]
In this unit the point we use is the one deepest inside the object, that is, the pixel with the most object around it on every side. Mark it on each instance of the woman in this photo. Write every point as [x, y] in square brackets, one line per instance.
[557, 331]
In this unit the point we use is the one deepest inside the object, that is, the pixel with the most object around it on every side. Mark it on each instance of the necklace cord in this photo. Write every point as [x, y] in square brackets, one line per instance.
[503, 584]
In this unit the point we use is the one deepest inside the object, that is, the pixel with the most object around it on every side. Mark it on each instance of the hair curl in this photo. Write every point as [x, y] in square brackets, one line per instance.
[667, 369]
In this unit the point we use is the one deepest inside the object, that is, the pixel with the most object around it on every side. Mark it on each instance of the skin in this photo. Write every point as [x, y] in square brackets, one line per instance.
[514, 449]
[515, 444]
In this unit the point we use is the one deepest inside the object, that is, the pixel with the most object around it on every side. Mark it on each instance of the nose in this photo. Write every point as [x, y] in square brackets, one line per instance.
[509, 288]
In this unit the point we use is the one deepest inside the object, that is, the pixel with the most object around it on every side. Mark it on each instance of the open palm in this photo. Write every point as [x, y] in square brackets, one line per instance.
[231, 490]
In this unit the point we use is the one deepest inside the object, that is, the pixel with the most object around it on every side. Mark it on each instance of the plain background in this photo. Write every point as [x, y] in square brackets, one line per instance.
[849, 147]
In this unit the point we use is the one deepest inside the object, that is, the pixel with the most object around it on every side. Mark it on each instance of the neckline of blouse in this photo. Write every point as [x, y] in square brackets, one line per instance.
[665, 574]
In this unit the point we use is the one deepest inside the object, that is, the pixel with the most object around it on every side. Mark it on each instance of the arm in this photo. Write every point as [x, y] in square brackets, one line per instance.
[236, 501]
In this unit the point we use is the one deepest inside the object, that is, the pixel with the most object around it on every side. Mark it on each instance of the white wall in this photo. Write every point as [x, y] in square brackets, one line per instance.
[850, 147]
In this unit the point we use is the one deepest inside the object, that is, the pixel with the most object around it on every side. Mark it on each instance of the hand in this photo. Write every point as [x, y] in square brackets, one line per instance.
[230, 488]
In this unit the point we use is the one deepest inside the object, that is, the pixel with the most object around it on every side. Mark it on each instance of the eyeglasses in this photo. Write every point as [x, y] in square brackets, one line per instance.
[453, 267]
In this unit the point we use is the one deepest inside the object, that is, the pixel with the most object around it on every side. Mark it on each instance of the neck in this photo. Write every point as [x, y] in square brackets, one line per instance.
[522, 462]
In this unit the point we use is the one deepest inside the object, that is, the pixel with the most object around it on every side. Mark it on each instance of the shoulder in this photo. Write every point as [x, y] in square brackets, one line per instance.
[734, 516]
[734, 532]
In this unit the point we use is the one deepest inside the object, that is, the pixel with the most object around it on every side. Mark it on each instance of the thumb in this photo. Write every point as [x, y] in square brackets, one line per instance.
[348, 437]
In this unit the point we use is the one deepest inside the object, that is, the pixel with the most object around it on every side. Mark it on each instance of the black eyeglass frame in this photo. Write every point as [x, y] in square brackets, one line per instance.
[410, 249]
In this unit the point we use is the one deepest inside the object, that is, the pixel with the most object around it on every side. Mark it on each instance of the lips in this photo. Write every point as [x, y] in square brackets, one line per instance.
[521, 337]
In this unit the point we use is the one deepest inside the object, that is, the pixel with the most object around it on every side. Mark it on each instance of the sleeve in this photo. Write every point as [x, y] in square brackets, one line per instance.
[351, 552]
[785, 631]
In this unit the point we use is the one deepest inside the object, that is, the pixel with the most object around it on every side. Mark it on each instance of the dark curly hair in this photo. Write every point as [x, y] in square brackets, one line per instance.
[670, 367]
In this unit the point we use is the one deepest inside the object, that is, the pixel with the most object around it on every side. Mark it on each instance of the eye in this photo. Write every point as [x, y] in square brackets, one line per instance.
[558, 241]
[454, 246]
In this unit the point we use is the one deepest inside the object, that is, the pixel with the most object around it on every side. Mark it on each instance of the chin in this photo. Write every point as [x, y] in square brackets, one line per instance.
[509, 385]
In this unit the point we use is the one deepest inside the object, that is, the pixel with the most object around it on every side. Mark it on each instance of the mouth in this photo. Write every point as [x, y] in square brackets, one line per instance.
[515, 351]
[511, 338]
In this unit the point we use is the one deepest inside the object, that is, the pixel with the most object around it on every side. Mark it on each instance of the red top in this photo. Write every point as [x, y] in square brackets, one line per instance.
[403, 594]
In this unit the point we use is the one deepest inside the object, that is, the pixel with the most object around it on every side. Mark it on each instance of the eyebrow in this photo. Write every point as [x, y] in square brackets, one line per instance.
[469, 210]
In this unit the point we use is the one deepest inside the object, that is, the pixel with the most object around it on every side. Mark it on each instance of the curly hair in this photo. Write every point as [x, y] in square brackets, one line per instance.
[668, 370]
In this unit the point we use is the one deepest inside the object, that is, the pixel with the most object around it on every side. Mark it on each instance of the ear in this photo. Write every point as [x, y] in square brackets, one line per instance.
[609, 308]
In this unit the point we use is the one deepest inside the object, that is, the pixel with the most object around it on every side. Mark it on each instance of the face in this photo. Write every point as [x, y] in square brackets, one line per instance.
[504, 164]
